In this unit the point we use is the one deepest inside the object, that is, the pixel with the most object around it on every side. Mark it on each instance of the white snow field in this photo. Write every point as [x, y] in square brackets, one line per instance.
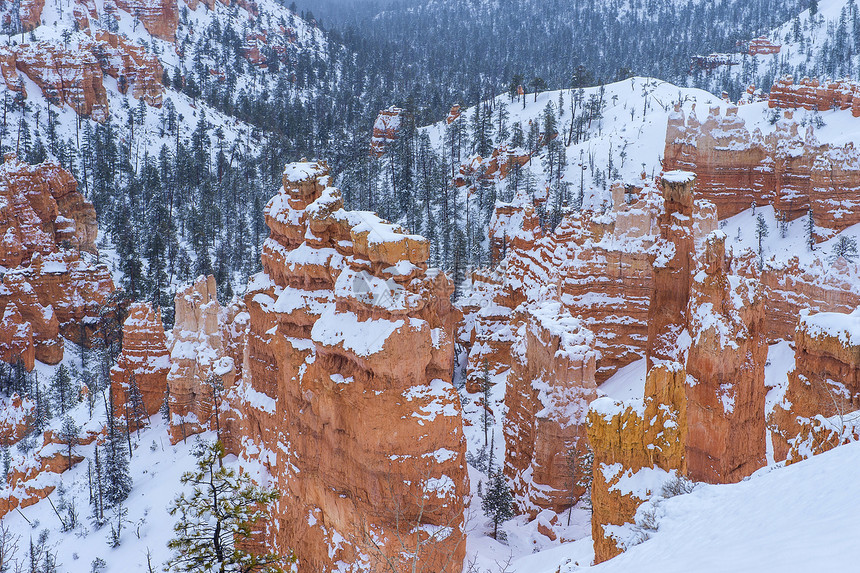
[800, 518]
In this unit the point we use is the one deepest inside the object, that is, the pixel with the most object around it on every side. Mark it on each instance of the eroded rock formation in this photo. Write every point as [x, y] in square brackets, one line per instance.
[792, 172]
[65, 74]
[346, 392]
[635, 445]
[820, 408]
[812, 95]
[725, 369]
[547, 396]
[201, 372]
[386, 130]
[51, 287]
[159, 17]
[142, 366]
[132, 66]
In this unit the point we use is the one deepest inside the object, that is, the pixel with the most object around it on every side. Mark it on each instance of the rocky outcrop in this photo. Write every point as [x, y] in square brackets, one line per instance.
[41, 210]
[491, 169]
[763, 46]
[346, 392]
[812, 95]
[819, 410]
[454, 114]
[51, 287]
[30, 12]
[671, 259]
[139, 377]
[201, 373]
[15, 413]
[725, 371]
[792, 172]
[159, 17]
[65, 74]
[635, 446]
[386, 130]
[547, 396]
[132, 66]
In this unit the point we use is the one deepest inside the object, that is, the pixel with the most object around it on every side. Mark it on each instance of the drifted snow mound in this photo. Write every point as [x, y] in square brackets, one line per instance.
[796, 519]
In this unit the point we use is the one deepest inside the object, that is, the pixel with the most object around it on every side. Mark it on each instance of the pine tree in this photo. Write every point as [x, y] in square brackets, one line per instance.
[498, 503]
[809, 227]
[760, 233]
[42, 413]
[135, 410]
[117, 480]
[217, 519]
[63, 389]
[69, 435]
[845, 247]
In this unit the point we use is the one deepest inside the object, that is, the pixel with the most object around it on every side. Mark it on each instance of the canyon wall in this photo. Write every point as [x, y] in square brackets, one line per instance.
[790, 171]
[346, 391]
[820, 408]
[53, 285]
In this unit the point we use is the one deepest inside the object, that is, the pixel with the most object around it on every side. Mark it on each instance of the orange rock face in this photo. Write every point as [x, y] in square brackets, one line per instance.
[725, 368]
[547, 397]
[66, 75]
[491, 169]
[144, 361]
[131, 65]
[48, 290]
[630, 440]
[763, 46]
[819, 410]
[159, 17]
[14, 416]
[386, 129]
[40, 209]
[812, 95]
[454, 114]
[30, 12]
[346, 391]
[200, 372]
[791, 172]
[671, 261]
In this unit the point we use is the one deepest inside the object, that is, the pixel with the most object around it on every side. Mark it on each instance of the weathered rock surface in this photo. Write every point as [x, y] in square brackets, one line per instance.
[132, 66]
[819, 410]
[547, 397]
[200, 370]
[671, 259]
[159, 17]
[51, 288]
[634, 442]
[386, 130]
[346, 392]
[65, 74]
[725, 369]
[763, 46]
[30, 12]
[144, 362]
[792, 172]
[40, 210]
[812, 95]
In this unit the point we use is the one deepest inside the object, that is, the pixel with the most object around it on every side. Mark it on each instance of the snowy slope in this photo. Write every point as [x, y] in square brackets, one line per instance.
[796, 519]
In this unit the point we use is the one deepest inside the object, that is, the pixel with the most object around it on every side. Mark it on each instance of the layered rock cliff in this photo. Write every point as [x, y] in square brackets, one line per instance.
[725, 371]
[53, 285]
[139, 377]
[820, 408]
[790, 171]
[547, 396]
[201, 371]
[346, 392]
